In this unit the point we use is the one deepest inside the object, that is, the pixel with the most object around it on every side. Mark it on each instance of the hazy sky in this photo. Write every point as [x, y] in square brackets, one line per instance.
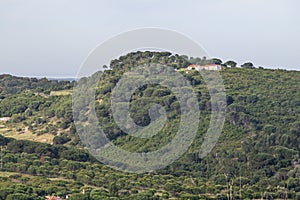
[53, 37]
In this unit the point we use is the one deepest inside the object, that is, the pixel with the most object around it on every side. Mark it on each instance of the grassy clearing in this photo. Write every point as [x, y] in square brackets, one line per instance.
[8, 174]
[21, 132]
[5, 130]
[26, 135]
[61, 93]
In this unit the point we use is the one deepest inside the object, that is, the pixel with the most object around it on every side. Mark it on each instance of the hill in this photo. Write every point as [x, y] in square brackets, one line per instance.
[257, 155]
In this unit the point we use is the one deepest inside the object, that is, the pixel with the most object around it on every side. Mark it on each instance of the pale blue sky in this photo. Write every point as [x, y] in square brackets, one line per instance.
[53, 37]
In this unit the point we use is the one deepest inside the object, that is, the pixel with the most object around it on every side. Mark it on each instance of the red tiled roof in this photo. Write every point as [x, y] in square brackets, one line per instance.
[53, 198]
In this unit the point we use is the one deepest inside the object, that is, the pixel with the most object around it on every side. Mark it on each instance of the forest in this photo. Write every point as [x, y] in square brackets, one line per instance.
[256, 157]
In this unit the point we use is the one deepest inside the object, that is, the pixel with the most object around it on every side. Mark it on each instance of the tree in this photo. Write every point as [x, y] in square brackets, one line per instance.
[113, 189]
[31, 170]
[230, 63]
[61, 139]
[19, 196]
[4, 192]
[4, 140]
[248, 65]
[216, 61]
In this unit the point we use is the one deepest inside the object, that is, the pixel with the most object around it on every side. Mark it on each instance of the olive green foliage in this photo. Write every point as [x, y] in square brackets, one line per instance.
[257, 156]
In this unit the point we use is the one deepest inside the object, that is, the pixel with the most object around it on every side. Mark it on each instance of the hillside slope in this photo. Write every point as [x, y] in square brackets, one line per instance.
[257, 155]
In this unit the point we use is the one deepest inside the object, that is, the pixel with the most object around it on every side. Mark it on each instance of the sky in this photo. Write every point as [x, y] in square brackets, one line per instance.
[53, 37]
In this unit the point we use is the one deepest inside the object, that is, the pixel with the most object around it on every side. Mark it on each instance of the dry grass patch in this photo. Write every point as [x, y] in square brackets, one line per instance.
[61, 93]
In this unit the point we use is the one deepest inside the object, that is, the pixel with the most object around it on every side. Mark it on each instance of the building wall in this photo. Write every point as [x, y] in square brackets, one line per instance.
[207, 67]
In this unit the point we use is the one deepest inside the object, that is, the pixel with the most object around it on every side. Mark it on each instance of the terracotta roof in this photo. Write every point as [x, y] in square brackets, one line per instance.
[53, 198]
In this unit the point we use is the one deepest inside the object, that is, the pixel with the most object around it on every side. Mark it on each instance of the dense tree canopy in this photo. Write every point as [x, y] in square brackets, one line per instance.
[256, 157]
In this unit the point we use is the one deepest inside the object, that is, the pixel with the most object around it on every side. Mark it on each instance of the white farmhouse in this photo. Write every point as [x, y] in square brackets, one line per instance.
[204, 67]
